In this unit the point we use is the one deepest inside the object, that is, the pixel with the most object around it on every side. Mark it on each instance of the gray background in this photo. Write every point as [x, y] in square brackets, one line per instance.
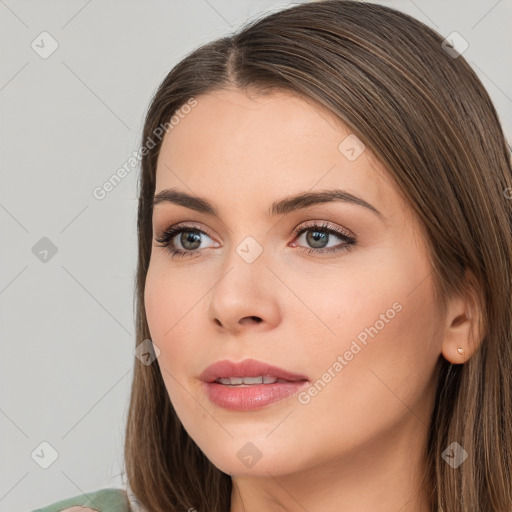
[68, 122]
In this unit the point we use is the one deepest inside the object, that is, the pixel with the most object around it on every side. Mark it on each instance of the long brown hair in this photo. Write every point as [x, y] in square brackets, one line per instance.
[426, 116]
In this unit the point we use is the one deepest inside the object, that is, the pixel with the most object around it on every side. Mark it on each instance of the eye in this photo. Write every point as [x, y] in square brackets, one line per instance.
[319, 235]
[189, 240]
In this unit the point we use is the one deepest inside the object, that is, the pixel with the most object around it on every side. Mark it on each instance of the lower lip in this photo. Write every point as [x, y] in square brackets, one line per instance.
[244, 398]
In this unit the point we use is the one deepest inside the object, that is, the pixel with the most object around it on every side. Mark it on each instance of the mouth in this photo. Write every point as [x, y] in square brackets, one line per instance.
[250, 384]
[251, 381]
[248, 372]
[246, 397]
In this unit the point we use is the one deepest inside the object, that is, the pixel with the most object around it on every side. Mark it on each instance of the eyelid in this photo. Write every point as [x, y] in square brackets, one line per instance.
[323, 224]
[181, 225]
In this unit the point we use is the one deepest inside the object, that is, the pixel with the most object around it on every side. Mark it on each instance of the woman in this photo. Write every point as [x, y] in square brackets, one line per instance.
[323, 287]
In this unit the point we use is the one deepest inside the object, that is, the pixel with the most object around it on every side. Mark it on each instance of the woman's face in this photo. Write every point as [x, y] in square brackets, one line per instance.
[358, 319]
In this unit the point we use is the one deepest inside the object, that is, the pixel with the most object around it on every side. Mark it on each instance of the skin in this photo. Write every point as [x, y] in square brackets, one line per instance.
[358, 444]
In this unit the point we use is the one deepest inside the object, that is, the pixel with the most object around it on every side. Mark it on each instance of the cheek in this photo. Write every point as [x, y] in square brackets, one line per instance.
[382, 349]
[158, 304]
[169, 301]
[165, 305]
[173, 310]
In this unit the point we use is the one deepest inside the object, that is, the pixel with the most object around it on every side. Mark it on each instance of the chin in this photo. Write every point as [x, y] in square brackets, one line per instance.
[250, 458]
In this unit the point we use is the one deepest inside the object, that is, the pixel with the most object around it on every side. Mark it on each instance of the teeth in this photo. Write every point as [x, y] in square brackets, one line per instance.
[236, 381]
[252, 380]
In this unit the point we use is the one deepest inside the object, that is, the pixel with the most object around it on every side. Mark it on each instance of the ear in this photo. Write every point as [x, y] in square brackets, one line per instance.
[463, 331]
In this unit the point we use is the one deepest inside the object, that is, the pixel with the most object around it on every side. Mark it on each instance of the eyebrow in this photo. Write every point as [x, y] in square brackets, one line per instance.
[281, 207]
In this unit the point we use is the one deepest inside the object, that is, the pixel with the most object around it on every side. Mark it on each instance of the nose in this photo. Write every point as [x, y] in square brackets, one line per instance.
[245, 297]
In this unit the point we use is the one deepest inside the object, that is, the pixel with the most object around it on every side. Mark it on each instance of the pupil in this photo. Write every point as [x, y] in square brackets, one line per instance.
[316, 236]
[189, 236]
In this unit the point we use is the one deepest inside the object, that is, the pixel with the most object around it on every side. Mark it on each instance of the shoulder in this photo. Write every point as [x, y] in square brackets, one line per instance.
[102, 500]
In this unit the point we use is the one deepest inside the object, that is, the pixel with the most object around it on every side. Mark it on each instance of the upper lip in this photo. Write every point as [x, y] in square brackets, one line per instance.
[246, 368]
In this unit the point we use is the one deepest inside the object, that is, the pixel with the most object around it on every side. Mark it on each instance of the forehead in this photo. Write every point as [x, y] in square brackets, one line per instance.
[238, 148]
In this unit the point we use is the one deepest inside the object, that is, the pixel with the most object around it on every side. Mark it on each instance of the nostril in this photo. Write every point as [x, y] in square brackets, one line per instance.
[256, 319]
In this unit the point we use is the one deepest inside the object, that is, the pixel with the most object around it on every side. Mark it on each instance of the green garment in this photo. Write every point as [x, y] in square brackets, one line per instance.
[104, 500]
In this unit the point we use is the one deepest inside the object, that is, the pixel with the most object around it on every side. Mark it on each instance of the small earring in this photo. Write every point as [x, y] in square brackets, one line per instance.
[460, 350]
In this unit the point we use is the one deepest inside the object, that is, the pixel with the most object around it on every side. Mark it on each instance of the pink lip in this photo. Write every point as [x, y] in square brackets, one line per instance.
[247, 368]
[244, 398]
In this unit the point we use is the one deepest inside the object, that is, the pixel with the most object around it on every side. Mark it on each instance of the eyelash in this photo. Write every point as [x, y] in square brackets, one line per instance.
[165, 238]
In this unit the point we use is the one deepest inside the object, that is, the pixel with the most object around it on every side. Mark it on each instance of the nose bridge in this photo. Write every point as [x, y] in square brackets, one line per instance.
[247, 243]
[244, 261]
[243, 289]
[249, 249]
